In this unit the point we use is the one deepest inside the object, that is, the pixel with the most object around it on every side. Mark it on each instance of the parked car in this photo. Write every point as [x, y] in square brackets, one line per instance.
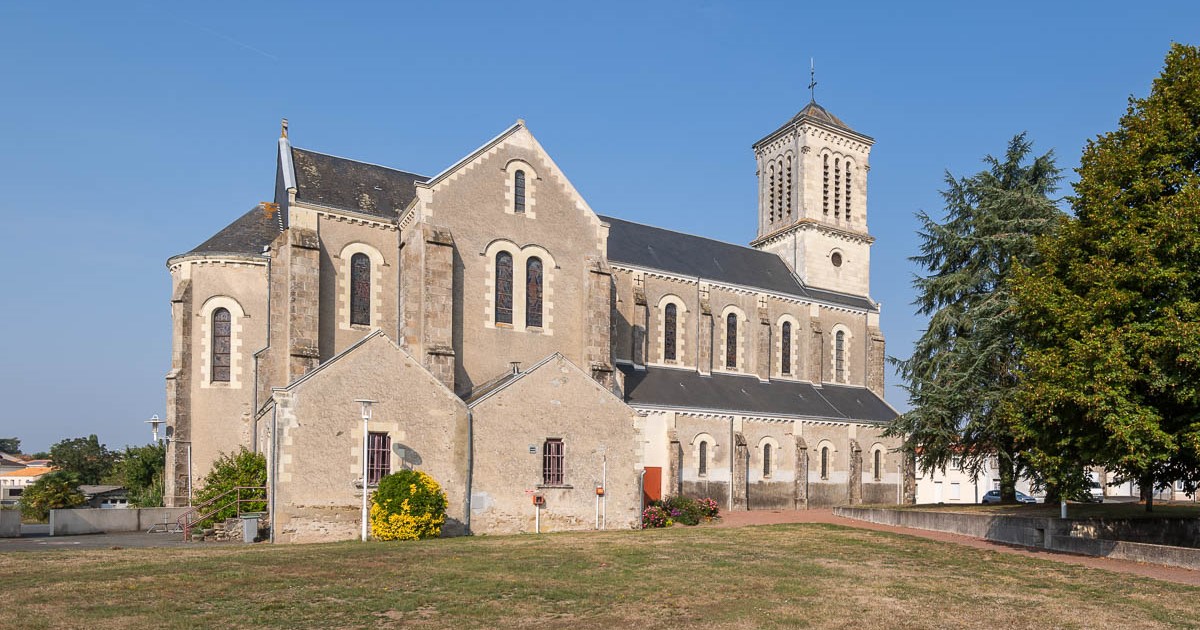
[993, 496]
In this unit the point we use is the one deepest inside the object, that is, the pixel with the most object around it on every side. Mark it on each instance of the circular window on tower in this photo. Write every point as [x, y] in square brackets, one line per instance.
[836, 259]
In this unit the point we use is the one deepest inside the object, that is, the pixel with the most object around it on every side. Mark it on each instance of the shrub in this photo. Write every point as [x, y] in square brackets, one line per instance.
[683, 510]
[656, 516]
[52, 491]
[408, 505]
[709, 508]
[245, 469]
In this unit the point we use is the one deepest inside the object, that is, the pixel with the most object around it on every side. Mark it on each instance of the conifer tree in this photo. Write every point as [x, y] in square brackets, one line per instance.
[1112, 313]
[962, 374]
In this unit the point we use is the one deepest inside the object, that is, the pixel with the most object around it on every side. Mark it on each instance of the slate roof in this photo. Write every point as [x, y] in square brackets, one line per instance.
[337, 182]
[667, 387]
[688, 255]
[247, 235]
[820, 114]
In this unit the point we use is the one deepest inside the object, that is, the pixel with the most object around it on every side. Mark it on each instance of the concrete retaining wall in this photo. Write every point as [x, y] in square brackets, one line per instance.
[10, 523]
[1047, 533]
[98, 521]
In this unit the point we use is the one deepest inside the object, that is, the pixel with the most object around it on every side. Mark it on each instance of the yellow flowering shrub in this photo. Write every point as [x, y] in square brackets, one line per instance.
[408, 505]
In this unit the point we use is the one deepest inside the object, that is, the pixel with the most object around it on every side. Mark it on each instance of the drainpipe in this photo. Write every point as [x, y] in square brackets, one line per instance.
[732, 465]
[273, 469]
[642, 497]
[604, 499]
[470, 470]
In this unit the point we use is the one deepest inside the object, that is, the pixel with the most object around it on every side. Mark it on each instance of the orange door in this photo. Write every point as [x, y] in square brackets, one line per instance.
[652, 484]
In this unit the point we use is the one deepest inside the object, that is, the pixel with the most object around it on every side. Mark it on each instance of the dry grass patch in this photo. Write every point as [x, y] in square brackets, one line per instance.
[778, 576]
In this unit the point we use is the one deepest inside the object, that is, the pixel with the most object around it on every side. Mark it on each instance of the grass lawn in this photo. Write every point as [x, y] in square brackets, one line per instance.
[779, 576]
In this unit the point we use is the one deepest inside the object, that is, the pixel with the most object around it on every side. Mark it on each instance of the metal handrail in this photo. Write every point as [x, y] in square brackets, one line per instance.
[189, 518]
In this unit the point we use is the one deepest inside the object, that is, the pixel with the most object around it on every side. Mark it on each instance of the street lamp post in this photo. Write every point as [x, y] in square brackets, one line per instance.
[366, 417]
[154, 422]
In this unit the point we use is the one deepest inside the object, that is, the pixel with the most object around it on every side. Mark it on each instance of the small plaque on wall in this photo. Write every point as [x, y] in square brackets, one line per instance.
[533, 449]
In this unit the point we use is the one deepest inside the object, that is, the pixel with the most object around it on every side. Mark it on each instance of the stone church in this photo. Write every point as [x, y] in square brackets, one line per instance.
[551, 367]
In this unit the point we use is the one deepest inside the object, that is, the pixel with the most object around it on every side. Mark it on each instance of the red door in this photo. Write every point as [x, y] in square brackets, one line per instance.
[652, 484]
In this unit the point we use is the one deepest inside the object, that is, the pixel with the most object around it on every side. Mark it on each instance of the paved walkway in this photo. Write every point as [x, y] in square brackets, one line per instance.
[1178, 575]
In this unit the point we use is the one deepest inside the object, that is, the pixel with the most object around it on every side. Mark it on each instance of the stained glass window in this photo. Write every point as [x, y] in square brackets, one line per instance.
[669, 316]
[519, 191]
[731, 341]
[839, 357]
[379, 457]
[533, 292]
[552, 462]
[360, 289]
[785, 363]
[221, 345]
[703, 458]
[504, 288]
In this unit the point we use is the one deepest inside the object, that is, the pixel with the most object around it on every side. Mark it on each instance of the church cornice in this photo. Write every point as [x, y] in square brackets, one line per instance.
[804, 123]
[739, 289]
[347, 216]
[813, 224]
[217, 259]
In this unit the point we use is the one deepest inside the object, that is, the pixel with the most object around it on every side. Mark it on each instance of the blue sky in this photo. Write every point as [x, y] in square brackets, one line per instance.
[130, 132]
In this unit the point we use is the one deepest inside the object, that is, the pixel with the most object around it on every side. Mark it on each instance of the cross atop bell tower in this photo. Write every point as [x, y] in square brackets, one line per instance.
[812, 198]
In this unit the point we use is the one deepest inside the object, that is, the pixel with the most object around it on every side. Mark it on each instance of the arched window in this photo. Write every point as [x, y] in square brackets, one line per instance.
[766, 460]
[848, 173]
[782, 199]
[669, 318]
[878, 464]
[788, 191]
[771, 186]
[839, 357]
[504, 288]
[360, 289]
[519, 191]
[533, 292]
[837, 188]
[703, 458]
[221, 345]
[825, 187]
[824, 462]
[731, 341]
[785, 361]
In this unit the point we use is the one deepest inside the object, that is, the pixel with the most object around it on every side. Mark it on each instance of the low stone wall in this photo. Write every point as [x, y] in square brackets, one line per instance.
[1047, 533]
[10, 523]
[99, 521]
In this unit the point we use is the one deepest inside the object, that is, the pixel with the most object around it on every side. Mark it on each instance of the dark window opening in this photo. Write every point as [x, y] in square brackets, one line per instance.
[766, 460]
[703, 458]
[533, 292]
[221, 345]
[519, 191]
[504, 288]
[731, 341]
[669, 317]
[379, 457]
[825, 462]
[552, 462]
[360, 290]
[785, 363]
[878, 465]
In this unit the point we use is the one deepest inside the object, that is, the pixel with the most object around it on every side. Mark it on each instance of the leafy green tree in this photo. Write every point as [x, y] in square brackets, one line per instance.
[12, 445]
[1112, 312]
[229, 471]
[52, 491]
[86, 457]
[963, 373]
[140, 470]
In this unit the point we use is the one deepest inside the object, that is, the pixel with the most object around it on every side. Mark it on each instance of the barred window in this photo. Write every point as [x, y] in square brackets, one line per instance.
[552, 462]
[669, 318]
[379, 457]
[519, 191]
[878, 465]
[504, 288]
[848, 189]
[771, 188]
[839, 357]
[837, 188]
[766, 460]
[785, 362]
[824, 462]
[222, 330]
[703, 458]
[731, 341]
[825, 186]
[360, 289]
[533, 292]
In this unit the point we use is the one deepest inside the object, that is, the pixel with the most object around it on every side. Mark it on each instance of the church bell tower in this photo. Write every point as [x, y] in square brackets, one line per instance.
[812, 200]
